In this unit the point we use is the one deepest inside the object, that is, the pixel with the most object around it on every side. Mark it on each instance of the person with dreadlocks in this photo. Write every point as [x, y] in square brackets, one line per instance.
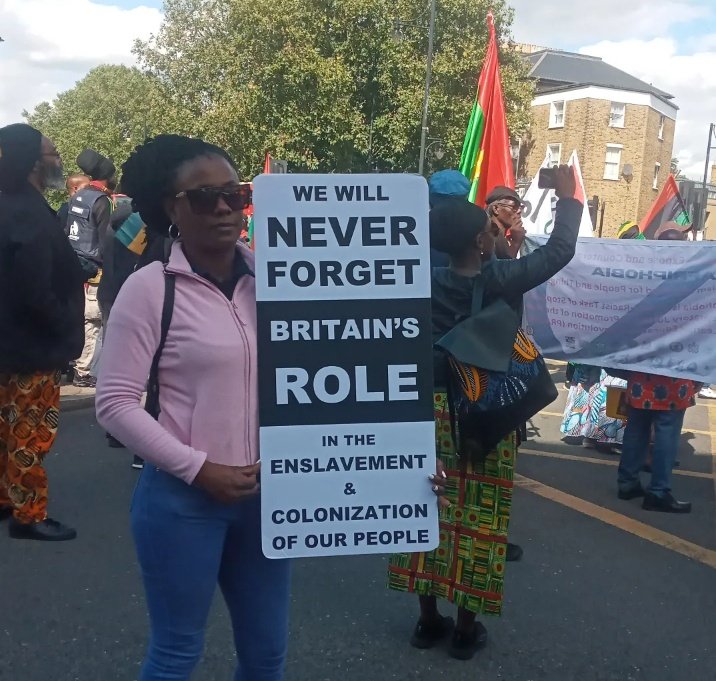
[41, 317]
[195, 514]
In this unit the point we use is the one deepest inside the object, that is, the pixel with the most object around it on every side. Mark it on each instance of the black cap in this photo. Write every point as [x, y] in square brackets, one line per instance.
[499, 193]
[98, 167]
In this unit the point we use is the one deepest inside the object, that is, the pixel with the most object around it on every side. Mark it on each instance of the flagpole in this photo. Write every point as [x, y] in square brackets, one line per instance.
[426, 100]
[705, 200]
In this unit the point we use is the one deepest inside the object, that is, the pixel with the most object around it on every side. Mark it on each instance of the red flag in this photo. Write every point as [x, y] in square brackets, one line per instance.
[267, 163]
[486, 160]
[668, 207]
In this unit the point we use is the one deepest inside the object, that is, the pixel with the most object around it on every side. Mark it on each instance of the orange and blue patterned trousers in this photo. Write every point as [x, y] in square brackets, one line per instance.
[468, 567]
[29, 414]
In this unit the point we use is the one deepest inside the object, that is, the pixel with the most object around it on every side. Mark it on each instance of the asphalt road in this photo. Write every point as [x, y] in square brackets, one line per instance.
[590, 601]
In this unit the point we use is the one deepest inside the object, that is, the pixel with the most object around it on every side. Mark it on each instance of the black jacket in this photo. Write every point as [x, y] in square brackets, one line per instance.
[41, 287]
[506, 280]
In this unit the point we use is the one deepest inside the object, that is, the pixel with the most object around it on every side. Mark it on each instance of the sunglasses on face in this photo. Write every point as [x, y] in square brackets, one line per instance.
[510, 205]
[205, 200]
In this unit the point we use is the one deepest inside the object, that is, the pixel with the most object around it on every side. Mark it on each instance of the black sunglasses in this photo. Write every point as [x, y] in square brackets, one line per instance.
[204, 201]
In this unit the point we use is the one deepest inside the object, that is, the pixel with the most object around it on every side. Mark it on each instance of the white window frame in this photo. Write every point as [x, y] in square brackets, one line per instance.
[609, 164]
[617, 119]
[662, 123]
[554, 121]
[551, 156]
[657, 172]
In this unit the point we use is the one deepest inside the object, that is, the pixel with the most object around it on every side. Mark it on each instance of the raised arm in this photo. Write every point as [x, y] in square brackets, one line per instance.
[513, 278]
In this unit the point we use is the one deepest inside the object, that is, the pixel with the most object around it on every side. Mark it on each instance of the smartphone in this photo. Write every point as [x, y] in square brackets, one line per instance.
[546, 178]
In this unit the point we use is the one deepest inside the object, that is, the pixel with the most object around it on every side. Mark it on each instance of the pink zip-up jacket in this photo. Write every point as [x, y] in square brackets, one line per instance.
[208, 388]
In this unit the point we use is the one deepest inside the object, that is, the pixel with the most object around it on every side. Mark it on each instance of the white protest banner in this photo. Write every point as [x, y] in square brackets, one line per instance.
[345, 364]
[638, 305]
[539, 204]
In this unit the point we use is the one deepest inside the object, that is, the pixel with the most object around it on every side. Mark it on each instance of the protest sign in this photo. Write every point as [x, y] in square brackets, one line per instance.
[539, 204]
[638, 305]
[345, 364]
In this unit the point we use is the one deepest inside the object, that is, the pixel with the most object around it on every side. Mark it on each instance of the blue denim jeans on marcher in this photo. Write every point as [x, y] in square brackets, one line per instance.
[187, 543]
[667, 434]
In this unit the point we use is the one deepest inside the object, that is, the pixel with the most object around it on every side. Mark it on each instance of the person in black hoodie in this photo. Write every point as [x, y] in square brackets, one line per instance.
[42, 322]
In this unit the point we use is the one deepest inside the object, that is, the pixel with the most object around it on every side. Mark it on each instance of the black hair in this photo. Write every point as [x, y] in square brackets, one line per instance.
[454, 224]
[149, 174]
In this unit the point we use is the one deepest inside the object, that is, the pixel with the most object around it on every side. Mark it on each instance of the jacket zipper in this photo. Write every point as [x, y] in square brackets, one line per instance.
[242, 333]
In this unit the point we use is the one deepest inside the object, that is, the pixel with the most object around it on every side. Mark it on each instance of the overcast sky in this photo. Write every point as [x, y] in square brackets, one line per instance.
[671, 43]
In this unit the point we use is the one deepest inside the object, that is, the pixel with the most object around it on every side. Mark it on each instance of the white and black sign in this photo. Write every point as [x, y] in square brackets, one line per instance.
[345, 364]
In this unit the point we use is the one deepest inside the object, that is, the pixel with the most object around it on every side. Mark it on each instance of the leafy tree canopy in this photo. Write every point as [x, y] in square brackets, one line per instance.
[329, 85]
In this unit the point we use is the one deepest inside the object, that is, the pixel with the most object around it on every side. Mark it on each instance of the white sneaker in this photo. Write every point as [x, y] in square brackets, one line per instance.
[708, 393]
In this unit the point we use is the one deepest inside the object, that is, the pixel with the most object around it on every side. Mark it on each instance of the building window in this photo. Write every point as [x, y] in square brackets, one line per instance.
[662, 120]
[617, 115]
[613, 161]
[554, 154]
[657, 170]
[556, 114]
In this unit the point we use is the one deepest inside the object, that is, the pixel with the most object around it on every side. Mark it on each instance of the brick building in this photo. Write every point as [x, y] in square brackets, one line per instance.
[621, 127]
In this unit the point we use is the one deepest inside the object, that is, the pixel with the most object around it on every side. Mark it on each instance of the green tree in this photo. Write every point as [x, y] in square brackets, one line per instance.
[111, 110]
[325, 84]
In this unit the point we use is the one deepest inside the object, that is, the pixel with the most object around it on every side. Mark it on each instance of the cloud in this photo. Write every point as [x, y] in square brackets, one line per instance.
[691, 78]
[49, 45]
[565, 25]
[670, 43]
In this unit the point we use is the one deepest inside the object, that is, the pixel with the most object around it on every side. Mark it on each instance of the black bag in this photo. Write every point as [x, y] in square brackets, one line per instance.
[498, 379]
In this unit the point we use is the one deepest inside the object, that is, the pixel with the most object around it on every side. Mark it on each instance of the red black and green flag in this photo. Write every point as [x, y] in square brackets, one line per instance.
[486, 160]
[668, 207]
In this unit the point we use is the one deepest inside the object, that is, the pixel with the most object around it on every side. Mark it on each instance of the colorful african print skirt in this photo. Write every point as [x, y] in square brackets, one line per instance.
[468, 567]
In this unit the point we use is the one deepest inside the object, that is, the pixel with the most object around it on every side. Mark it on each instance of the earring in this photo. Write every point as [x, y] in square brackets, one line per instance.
[173, 231]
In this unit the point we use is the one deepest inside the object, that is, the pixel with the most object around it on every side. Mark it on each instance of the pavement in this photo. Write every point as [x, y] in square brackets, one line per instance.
[73, 398]
[605, 591]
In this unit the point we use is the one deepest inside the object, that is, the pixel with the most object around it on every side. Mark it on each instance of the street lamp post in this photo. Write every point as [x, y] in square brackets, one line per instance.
[426, 100]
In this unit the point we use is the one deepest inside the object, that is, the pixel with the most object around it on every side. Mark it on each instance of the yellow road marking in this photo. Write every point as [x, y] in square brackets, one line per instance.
[603, 462]
[712, 426]
[622, 522]
[708, 433]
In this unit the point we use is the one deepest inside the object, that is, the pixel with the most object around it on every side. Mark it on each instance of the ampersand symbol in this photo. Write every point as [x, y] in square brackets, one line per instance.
[349, 491]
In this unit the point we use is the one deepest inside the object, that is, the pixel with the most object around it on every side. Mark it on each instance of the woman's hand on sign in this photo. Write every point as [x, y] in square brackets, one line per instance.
[228, 484]
[438, 482]
[565, 182]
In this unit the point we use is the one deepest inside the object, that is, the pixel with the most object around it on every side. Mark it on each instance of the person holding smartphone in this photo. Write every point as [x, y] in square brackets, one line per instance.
[504, 208]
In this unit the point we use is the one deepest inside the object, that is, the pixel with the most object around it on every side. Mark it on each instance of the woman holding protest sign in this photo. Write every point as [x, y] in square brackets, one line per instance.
[477, 309]
[190, 325]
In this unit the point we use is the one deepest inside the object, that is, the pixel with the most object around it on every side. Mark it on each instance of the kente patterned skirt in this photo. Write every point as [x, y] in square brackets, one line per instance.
[468, 567]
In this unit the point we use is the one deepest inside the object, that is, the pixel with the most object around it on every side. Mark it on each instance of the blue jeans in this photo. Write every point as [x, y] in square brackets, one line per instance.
[187, 543]
[667, 433]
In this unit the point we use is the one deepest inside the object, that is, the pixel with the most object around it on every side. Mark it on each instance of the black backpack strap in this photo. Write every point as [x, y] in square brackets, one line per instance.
[152, 403]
